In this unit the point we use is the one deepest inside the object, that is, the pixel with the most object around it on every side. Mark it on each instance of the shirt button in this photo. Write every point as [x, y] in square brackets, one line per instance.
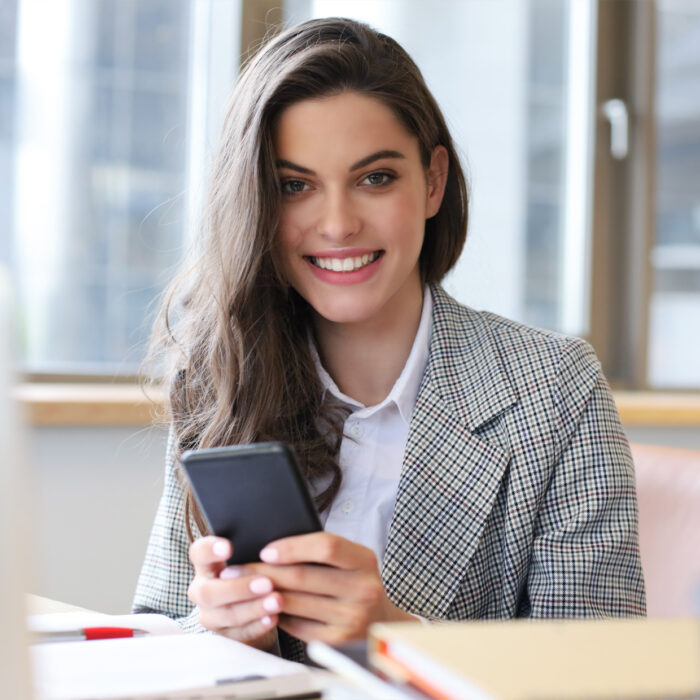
[356, 430]
[347, 506]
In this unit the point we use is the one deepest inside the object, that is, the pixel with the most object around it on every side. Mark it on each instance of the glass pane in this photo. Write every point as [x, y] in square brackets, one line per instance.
[502, 73]
[8, 22]
[674, 331]
[100, 186]
[546, 105]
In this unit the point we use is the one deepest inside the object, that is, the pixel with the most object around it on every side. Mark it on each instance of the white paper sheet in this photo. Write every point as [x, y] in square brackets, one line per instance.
[121, 667]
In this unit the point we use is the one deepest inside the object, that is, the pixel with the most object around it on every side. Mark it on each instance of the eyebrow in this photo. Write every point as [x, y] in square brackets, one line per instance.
[379, 155]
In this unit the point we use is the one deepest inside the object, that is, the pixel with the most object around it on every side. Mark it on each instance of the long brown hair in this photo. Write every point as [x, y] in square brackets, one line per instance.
[234, 334]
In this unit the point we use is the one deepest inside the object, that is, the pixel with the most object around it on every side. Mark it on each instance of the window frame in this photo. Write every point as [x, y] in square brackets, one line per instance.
[623, 201]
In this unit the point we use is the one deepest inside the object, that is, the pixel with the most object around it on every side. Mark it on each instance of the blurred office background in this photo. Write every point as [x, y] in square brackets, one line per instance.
[579, 124]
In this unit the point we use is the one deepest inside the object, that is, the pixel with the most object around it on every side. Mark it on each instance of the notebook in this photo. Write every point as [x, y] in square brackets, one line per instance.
[544, 659]
[167, 666]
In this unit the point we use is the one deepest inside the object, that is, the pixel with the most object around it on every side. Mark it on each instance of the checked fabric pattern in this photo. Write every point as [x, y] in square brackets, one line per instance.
[516, 496]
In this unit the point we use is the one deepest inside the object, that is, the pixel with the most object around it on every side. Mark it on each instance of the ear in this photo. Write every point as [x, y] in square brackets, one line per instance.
[437, 180]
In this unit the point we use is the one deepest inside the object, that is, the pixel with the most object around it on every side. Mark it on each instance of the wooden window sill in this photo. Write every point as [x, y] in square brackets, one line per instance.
[88, 404]
[667, 409]
[114, 404]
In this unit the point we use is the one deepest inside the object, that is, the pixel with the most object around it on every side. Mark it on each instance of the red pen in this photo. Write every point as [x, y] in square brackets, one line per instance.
[88, 634]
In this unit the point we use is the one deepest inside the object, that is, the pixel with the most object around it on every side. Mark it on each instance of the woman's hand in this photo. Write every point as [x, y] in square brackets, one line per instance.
[333, 603]
[237, 603]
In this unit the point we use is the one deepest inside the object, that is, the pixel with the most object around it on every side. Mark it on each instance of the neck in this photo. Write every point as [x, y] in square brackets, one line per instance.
[365, 359]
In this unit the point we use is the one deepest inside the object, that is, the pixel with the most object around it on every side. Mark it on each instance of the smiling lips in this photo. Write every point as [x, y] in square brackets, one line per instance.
[344, 264]
[349, 267]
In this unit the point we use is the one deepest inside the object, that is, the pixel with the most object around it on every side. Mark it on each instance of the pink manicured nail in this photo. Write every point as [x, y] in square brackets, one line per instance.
[230, 572]
[220, 548]
[271, 604]
[269, 554]
[261, 585]
[267, 620]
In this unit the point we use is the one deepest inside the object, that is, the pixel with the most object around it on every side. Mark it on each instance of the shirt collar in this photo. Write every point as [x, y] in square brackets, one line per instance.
[405, 391]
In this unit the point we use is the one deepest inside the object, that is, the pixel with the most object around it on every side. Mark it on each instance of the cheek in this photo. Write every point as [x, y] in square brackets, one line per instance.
[288, 235]
[292, 227]
[286, 253]
[406, 216]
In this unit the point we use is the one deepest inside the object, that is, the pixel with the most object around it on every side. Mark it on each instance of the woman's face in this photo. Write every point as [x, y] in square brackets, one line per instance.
[355, 197]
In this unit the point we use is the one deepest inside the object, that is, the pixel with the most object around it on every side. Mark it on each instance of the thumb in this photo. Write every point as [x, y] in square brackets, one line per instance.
[209, 555]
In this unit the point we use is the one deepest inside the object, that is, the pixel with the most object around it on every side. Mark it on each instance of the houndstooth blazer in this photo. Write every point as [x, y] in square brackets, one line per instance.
[517, 494]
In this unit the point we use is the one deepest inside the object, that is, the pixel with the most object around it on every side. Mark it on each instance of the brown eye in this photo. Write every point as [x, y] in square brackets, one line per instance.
[293, 186]
[378, 179]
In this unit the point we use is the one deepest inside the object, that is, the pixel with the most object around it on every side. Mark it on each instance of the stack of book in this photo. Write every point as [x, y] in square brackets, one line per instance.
[557, 660]
[524, 660]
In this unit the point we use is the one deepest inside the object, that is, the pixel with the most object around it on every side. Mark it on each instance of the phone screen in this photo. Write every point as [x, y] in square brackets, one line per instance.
[251, 495]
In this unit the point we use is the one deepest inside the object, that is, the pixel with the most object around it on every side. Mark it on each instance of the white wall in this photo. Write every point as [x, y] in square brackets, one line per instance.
[96, 491]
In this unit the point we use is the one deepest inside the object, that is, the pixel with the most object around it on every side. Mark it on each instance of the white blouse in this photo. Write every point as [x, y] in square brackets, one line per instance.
[372, 449]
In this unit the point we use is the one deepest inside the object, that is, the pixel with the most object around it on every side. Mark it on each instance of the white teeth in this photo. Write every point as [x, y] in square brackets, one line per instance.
[345, 264]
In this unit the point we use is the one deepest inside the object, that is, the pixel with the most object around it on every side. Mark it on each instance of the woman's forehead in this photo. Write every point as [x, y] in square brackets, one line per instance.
[340, 126]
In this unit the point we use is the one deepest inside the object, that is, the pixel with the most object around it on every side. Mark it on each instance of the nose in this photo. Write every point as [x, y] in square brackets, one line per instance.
[338, 218]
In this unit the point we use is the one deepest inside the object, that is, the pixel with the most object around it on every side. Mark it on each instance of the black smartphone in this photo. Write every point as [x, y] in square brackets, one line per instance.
[251, 495]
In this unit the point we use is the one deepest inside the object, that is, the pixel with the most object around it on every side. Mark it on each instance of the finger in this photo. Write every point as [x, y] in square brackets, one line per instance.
[209, 554]
[310, 630]
[260, 633]
[324, 580]
[241, 615]
[329, 611]
[319, 548]
[217, 592]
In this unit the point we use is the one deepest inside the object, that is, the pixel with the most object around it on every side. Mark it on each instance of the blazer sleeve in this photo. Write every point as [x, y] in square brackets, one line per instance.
[167, 572]
[585, 557]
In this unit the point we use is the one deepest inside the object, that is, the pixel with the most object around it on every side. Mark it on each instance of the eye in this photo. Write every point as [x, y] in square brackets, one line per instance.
[378, 179]
[293, 186]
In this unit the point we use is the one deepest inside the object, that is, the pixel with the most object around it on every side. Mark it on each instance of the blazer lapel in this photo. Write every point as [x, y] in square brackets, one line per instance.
[450, 476]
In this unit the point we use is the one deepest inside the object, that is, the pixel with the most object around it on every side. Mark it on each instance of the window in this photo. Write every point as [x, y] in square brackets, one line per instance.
[646, 292]
[110, 108]
[100, 158]
[105, 168]
[674, 327]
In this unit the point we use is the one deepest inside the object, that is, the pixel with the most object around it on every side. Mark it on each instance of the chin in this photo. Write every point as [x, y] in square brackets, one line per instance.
[343, 313]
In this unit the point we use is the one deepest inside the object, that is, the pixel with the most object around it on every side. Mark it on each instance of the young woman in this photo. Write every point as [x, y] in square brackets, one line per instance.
[465, 466]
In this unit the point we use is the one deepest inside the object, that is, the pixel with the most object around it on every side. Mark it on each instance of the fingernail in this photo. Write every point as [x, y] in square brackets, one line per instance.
[261, 585]
[271, 604]
[220, 548]
[269, 554]
[230, 572]
[267, 620]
